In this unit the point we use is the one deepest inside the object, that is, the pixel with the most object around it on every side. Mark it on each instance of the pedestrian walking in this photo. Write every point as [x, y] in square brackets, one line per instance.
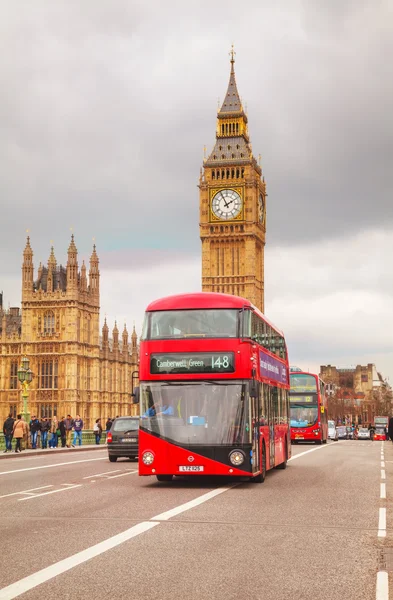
[25, 443]
[35, 427]
[78, 426]
[45, 427]
[108, 425]
[62, 432]
[18, 432]
[54, 426]
[8, 428]
[98, 430]
[69, 424]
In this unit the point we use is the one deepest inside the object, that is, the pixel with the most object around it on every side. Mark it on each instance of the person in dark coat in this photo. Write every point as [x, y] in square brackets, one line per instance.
[390, 428]
[7, 430]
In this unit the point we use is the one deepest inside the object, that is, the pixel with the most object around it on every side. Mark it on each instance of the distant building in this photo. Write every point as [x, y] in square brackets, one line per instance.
[359, 389]
[75, 371]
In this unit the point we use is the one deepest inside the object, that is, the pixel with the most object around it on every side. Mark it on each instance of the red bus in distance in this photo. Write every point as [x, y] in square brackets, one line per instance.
[308, 401]
[214, 389]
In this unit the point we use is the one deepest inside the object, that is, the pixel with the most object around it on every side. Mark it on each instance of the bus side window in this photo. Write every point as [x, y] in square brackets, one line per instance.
[262, 405]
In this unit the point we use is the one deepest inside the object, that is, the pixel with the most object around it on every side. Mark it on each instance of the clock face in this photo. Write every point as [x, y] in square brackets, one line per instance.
[227, 204]
[261, 208]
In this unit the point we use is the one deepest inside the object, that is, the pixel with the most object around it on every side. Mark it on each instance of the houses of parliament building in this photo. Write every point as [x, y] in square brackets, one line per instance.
[76, 371]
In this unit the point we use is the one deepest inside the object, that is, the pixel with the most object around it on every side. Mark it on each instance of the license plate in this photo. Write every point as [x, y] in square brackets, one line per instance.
[128, 440]
[192, 468]
[299, 437]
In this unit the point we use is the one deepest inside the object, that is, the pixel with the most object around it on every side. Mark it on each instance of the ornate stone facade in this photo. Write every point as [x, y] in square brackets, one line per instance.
[233, 207]
[75, 371]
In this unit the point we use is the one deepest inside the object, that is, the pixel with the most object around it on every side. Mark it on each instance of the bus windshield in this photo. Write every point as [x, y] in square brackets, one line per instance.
[303, 416]
[301, 383]
[205, 323]
[198, 413]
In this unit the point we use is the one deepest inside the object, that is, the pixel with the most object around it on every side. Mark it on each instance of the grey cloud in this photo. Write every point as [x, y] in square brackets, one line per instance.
[107, 106]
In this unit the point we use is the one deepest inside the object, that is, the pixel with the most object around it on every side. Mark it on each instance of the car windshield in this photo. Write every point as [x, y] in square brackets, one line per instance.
[125, 425]
[303, 415]
[363, 430]
[207, 323]
[331, 424]
[204, 413]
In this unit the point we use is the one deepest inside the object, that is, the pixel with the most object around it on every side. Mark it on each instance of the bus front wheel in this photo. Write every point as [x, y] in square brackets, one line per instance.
[164, 477]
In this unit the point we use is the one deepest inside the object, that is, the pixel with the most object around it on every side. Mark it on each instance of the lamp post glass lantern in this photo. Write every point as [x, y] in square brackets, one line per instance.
[25, 376]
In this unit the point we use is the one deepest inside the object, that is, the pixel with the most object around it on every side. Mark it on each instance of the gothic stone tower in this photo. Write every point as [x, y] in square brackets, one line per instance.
[233, 207]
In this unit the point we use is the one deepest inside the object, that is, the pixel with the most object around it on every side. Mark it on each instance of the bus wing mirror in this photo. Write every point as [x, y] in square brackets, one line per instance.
[135, 396]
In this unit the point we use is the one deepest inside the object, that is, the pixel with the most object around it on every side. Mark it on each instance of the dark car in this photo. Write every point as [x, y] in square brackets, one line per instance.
[123, 438]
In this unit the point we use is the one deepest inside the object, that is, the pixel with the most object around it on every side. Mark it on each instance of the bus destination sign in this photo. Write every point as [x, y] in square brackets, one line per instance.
[192, 362]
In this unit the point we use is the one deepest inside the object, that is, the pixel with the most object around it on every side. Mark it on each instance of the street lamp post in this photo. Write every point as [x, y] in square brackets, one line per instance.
[25, 376]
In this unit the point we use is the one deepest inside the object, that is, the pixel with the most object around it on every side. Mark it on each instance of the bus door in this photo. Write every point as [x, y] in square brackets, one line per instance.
[271, 414]
[256, 438]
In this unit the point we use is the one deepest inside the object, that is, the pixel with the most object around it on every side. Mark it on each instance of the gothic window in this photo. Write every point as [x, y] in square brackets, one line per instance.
[213, 174]
[220, 147]
[218, 174]
[237, 173]
[13, 411]
[48, 411]
[48, 375]
[241, 155]
[14, 375]
[222, 129]
[88, 329]
[228, 174]
[233, 170]
[237, 127]
[222, 155]
[214, 156]
[233, 156]
[229, 147]
[242, 172]
[223, 173]
[88, 387]
[49, 322]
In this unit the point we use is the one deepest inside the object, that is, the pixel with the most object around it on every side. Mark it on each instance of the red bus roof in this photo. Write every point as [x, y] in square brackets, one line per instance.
[205, 300]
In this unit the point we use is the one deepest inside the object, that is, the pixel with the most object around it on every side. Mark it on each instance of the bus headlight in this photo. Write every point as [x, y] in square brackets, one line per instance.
[236, 457]
[148, 458]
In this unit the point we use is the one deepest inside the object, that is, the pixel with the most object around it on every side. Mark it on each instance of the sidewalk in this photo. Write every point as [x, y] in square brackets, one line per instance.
[60, 450]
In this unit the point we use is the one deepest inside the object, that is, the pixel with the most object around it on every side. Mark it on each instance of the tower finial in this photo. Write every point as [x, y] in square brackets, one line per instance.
[232, 54]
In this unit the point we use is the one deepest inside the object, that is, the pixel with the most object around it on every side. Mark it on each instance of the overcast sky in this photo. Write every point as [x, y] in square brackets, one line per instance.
[106, 106]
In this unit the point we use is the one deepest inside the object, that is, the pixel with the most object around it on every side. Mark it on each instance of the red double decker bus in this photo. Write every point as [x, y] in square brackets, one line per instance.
[214, 389]
[308, 400]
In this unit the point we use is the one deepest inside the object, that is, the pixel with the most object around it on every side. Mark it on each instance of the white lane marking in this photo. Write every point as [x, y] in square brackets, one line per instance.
[382, 592]
[383, 490]
[383, 474]
[382, 523]
[100, 474]
[312, 450]
[71, 462]
[122, 475]
[382, 464]
[196, 502]
[47, 493]
[43, 487]
[31, 581]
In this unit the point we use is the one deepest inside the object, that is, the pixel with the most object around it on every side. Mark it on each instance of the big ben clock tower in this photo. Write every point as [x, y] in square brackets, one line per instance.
[233, 207]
